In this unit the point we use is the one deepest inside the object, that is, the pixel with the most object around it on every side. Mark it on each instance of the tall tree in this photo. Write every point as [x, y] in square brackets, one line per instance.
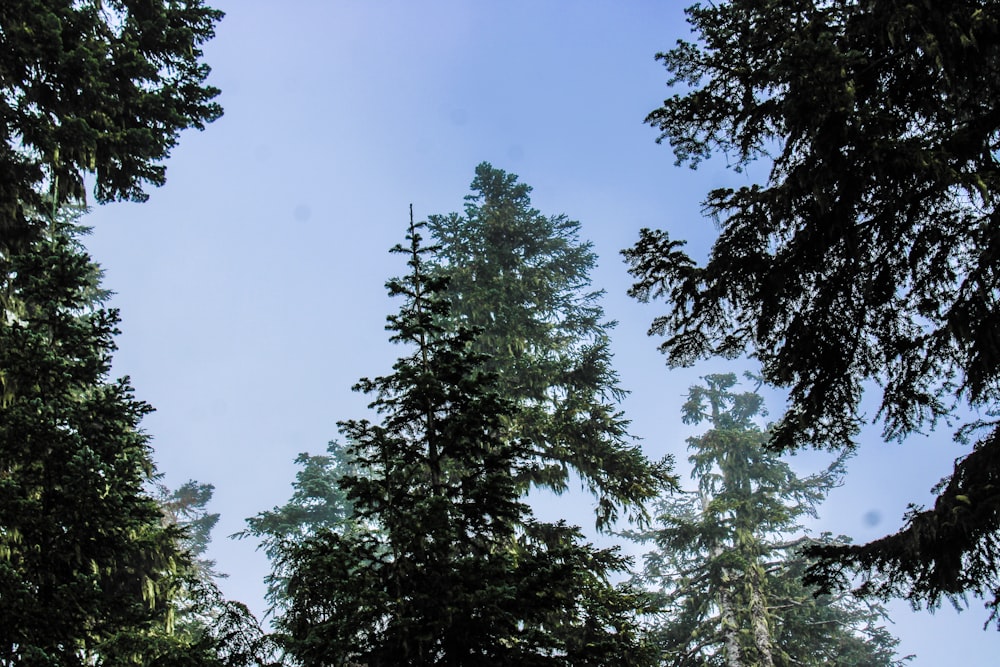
[318, 503]
[95, 86]
[451, 569]
[523, 279]
[187, 508]
[88, 568]
[727, 564]
[205, 628]
[867, 260]
[87, 562]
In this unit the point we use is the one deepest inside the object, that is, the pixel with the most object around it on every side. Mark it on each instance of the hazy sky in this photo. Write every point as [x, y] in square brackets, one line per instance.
[251, 285]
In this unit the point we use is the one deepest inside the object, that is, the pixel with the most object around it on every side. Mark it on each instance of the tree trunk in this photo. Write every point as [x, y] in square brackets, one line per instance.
[758, 620]
[730, 624]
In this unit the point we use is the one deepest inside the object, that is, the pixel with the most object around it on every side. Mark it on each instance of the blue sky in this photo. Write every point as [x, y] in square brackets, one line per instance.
[251, 285]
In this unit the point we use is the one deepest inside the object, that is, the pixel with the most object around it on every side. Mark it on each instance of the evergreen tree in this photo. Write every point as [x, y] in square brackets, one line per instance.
[318, 502]
[523, 279]
[866, 260]
[82, 549]
[90, 570]
[727, 564]
[206, 628]
[447, 567]
[94, 86]
[186, 508]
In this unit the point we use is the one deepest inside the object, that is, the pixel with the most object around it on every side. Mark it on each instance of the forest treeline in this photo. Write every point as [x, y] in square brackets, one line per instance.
[866, 261]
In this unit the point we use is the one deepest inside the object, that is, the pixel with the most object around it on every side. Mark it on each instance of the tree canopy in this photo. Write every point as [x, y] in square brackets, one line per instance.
[95, 86]
[867, 260]
[318, 503]
[447, 567]
[523, 279]
[92, 570]
[727, 565]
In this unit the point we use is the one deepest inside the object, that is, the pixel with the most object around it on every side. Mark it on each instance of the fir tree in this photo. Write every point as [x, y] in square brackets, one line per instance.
[865, 260]
[90, 569]
[727, 564]
[523, 279]
[318, 503]
[100, 87]
[449, 568]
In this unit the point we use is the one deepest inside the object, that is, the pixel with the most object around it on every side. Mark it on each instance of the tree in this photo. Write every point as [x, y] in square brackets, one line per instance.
[727, 564]
[91, 569]
[318, 502]
[99, 87]
[867, 260]
[83, 553]
[206, 628]
[523, 279]
[447, 566]
[186, 508]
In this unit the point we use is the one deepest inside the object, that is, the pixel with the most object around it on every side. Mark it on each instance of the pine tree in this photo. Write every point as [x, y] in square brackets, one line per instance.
[727, 564]
[82, 549]
[318, 502]
[90, 569]
[100, 87]
[864, 260]
[448, 567]
[186, 508]
[523, 279]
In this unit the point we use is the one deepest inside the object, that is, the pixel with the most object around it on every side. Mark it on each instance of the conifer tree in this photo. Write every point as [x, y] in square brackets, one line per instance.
[863, 260]
[447, 567]
[523, 278]
[187, 508]
[727, 564]
[318, 502]
[82, 549]
[90, 570]
[100, 87]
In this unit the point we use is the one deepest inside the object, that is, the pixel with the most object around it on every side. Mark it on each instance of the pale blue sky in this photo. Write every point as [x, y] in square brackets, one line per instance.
[251, 285]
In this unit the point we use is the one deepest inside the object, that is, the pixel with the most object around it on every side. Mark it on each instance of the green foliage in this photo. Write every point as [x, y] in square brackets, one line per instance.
[523, 279]
[318, 502]
[185, 507]
[727, 567]
[869, 256]
[446, 565]
[96, 86]
[93, 569]
[82, 549]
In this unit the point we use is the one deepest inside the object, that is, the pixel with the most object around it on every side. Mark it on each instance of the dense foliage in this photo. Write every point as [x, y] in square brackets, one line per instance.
[868, 259]
[726, 564]
[523, 279]
[446, 566]
[318, 503]
[91, 569]
[95, 86]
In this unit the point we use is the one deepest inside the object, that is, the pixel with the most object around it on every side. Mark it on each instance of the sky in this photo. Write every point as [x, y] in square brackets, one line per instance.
[251, 286]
